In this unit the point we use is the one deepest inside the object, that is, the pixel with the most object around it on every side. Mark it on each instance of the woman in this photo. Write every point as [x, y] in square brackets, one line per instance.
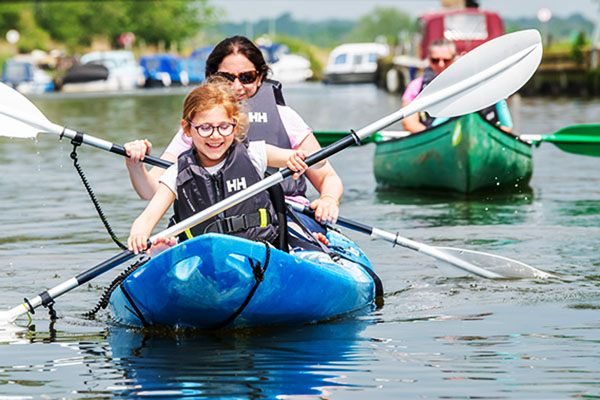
[242, 63]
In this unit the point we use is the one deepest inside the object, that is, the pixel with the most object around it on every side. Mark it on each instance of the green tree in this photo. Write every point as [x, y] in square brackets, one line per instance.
[76, 24]
[577, 47]
[383, 21]
[21, 18]
[168, 21]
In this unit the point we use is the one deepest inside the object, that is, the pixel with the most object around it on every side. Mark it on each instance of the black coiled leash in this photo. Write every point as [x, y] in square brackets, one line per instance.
[76, 141]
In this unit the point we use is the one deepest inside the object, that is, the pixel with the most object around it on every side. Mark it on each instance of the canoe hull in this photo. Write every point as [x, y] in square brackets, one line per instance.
[465, 155]
[202, 282]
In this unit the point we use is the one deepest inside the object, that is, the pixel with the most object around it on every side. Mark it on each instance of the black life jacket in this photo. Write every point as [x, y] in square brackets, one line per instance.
[489, 113]
[424, 117]
[253, 218]
[266, 124]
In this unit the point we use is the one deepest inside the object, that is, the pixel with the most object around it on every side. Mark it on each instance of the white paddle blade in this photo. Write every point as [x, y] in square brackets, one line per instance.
[503, 266]
[485, 75]
[19, 117]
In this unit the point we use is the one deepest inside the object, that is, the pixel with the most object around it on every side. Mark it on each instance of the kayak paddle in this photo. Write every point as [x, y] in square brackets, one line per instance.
[20, 118]
[576, 139]
[478, 263]
[505, 64]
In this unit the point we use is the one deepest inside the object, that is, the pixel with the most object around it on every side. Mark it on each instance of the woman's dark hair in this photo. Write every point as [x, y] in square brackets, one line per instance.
[236, 45]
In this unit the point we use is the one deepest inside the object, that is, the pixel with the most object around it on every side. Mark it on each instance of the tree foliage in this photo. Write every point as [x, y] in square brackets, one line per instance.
[77, 23]
[383, 21]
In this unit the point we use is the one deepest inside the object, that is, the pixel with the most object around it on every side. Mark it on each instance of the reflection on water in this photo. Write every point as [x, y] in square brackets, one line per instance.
[245, 363]
[437, 336]
[436, 209]
[271, 363]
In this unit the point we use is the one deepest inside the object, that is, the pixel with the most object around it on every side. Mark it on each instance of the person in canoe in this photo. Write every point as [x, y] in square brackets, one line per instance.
[220, 163]
[241, 62]
[442, 54]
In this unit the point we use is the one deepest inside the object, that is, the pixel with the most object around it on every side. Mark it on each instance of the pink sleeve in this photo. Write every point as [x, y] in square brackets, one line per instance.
[179, 144]
[412, 90]
[294, 125]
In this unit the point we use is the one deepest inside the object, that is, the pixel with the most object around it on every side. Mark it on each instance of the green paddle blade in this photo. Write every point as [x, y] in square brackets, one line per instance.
[577, 139]
[325, 138]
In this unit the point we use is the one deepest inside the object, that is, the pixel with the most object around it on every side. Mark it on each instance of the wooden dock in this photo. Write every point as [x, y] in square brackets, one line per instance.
[562, 73]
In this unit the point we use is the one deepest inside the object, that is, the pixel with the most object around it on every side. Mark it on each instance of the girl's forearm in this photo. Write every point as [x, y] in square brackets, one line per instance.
[144, 182]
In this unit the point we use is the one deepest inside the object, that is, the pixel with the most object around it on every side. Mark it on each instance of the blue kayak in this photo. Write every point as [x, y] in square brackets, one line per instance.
[215, 281]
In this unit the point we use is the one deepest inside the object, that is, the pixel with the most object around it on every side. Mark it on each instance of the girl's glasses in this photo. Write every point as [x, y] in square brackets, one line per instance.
[224, 128]
[244, 77]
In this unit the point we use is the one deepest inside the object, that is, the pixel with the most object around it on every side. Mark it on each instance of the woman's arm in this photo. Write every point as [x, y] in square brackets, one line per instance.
[326, 181]
[145, 182]
[145, 223]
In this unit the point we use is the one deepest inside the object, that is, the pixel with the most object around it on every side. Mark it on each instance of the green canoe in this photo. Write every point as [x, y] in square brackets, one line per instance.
[464, 154]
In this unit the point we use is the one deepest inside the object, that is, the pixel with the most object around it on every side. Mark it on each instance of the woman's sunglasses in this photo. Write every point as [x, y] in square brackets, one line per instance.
[244, 77]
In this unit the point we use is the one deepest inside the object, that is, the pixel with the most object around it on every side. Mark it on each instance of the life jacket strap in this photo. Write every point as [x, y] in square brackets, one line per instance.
[237, 223]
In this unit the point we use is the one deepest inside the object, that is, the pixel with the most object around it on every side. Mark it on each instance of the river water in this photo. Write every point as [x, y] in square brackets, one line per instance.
[436, 336]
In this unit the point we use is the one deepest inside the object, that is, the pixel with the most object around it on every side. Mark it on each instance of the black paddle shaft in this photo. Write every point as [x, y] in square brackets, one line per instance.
[322, 154]
[80, 137]
[348, 223]
[148, 159]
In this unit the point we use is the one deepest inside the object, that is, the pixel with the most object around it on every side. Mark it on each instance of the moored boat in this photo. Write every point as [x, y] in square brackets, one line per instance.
[213, 281]
[104, 71]
[285, 66]
[354, 63]
[24, 75]
[167, 69]
[464, 154]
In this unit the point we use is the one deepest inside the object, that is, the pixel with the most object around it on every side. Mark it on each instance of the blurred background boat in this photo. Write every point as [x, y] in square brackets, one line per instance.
[23, 74]
[354, 63]
[104, 71]
[167, 69]
[285, 66]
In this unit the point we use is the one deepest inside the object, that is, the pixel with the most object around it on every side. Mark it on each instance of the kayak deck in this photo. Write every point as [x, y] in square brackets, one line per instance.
[203, 282]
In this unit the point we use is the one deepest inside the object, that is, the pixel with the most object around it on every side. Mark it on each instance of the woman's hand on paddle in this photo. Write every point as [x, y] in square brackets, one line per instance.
[138, 242]
[159, 245]
[136, 151]
[326, 208]
[296, 163]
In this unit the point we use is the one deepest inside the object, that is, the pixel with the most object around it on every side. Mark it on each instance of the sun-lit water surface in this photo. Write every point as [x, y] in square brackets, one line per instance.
[436, 336]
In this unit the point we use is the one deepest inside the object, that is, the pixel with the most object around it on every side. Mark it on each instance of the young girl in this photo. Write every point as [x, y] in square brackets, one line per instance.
[220, 163]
